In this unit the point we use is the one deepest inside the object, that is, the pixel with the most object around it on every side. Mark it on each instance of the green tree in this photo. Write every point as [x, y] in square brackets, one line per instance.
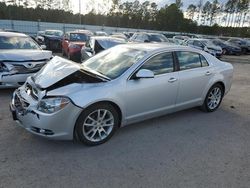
[191, 10]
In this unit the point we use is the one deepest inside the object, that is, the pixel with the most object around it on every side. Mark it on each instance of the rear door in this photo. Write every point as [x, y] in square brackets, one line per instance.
[194, 75]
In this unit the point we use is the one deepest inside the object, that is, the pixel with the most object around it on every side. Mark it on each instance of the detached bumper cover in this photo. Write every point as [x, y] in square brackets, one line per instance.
[58, 125]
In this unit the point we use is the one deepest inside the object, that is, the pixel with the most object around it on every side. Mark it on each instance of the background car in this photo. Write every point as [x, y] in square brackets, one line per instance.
[240, 43]
[73, 42]
[97, 44]
[206, 45]
[53, 40]
[100, 33]
[119, 86]
[20, 57]
[227, 48]
[148, 37]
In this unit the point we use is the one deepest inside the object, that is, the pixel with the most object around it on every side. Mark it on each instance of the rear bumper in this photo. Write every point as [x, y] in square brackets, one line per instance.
[58, 125]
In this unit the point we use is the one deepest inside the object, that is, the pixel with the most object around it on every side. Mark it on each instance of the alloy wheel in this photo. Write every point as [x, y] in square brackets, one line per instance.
[98, 125]
[214, 98]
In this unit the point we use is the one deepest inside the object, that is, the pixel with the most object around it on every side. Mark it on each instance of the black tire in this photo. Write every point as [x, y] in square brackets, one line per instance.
[205, 106]
[79, 126]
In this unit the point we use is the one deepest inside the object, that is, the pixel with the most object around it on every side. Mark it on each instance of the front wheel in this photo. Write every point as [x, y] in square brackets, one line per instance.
[213, 98]
[97, 124]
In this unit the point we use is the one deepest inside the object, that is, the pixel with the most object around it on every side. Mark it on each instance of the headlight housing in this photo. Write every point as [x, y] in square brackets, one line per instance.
[53, 104]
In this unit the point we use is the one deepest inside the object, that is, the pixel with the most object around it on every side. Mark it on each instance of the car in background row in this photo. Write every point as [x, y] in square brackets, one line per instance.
[245, 47]
[206, 45]
[227, 47]
[100, 33]
[53, 40]
[97, 44]
[73, 42]
[20, 57]
[122, 85]
[148, 37]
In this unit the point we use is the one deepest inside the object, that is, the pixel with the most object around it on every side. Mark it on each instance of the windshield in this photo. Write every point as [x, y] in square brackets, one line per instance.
[54, 33]
[78, 37]
[114, 62]
[17, 43]
[207, 42]
[157, 38]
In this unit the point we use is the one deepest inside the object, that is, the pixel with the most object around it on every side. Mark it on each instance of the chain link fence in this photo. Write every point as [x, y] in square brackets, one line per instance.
[32, 27]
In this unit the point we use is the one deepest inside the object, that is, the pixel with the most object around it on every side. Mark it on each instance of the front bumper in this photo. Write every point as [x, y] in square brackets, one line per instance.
[58, 125]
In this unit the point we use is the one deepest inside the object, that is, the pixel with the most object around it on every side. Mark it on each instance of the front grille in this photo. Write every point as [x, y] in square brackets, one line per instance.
[33, 92]
[20, 103]
[21, 69]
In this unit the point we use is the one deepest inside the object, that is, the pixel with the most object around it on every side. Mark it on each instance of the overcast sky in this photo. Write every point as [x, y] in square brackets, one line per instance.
[89, 4]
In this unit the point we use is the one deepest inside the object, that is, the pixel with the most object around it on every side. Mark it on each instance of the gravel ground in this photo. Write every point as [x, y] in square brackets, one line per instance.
[185, 149]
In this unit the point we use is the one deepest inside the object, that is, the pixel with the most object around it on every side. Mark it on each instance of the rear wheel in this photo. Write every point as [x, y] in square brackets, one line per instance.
[213, 98]
[97, 124]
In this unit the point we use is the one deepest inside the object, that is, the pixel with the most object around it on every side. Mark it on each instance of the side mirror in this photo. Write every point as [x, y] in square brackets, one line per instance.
[43, 47]
[144, 73]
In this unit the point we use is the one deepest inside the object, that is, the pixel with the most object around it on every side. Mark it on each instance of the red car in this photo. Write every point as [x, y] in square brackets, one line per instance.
[72, 43]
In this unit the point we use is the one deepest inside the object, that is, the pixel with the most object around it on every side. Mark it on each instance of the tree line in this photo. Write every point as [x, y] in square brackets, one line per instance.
[203, 18]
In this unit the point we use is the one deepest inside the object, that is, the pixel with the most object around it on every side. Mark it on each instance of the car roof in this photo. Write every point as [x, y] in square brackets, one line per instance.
[12, 34]
[158, 47]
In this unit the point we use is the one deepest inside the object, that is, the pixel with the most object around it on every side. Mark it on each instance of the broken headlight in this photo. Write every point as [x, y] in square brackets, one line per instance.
[53, 104]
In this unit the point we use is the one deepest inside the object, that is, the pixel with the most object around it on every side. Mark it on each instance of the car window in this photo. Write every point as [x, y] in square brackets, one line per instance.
[160, 64]
[188, 60]
[204, 62]
[190, 42]
[198, 43]
[17, 43]
[78, 37]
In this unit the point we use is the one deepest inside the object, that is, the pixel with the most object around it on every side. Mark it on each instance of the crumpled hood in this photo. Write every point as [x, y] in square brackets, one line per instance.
[24, 55]
[54, 71]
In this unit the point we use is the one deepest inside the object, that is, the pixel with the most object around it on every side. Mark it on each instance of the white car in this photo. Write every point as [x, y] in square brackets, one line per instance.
[20, 57]
[206, 45]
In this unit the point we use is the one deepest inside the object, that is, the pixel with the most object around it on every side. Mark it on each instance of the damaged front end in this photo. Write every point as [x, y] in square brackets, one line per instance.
[48, 115]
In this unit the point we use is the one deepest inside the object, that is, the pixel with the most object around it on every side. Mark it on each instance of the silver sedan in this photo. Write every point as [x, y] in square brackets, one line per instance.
[119, 86]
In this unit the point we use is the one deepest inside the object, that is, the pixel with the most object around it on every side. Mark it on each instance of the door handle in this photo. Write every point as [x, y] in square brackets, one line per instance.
[171, 80]
[208, 73]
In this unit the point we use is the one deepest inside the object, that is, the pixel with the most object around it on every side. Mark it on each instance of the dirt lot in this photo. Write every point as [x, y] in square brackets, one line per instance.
[185, 149]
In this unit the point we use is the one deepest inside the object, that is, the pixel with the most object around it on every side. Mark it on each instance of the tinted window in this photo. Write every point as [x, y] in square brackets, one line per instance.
[204, 62]
[188, 60]
[160, 64]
